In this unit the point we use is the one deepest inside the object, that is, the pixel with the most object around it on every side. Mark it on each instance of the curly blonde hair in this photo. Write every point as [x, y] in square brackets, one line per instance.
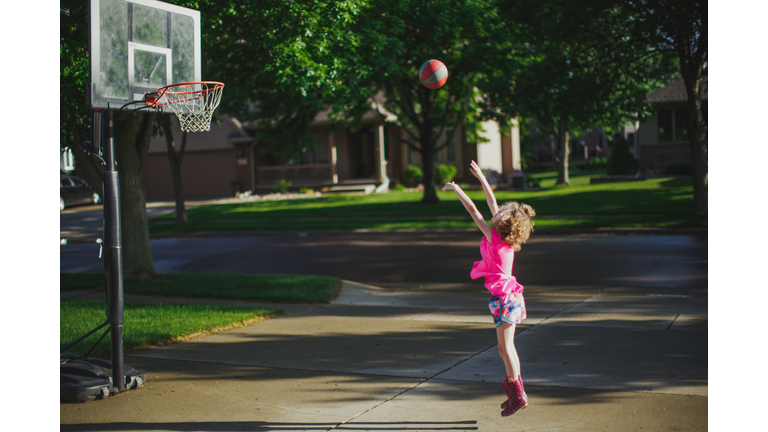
[514, 223]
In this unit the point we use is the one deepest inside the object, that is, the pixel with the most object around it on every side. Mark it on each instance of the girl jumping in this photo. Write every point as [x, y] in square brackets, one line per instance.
[510, 227]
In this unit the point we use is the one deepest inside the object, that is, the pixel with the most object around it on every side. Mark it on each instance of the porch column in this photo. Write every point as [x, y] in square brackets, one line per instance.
[514, 134]
[244, 178]
[381, 161]
[513, 170]
[334, 158]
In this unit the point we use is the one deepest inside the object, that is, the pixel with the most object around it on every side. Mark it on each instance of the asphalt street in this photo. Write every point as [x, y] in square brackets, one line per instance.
[667, 263]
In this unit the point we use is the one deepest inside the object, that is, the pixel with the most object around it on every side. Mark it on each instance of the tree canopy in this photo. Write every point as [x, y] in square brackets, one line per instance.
[579, 66]
[570, 66]
[73, 72]
[396, 38]
[282, 62]
[680, 28]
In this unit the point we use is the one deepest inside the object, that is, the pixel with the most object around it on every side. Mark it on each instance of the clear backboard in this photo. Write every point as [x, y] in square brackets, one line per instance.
[138, 46]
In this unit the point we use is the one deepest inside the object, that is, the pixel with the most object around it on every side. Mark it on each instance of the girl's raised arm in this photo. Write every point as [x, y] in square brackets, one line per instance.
[489, 197]
[471, 209]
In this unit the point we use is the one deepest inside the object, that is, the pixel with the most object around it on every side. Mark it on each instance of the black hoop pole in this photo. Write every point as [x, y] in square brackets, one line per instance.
[113, 258]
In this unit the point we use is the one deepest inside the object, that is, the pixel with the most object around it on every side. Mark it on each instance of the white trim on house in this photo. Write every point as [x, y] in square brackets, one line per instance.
[67, 161]
[489, 152]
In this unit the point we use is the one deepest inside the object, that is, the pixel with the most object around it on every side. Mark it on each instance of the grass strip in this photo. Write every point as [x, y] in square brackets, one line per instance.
[149, 325]
[254, 287]
[626, 221]
[658, 202]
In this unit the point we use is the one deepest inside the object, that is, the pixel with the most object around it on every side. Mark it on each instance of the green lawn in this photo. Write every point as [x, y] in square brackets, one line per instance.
[148, 325]
[254, 287]
[662, 202]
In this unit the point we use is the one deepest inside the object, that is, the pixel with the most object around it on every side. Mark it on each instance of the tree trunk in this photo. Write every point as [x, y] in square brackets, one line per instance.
[175, 162]
[132, 132]
[563, 153]
[697, 134]
[691, 67]
[428, 161]
[427, 149]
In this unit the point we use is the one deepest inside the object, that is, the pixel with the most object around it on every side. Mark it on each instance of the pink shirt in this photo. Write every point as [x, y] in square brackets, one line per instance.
[496, 267]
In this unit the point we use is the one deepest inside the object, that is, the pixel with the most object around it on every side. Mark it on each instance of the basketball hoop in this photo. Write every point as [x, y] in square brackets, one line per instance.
[192, 102]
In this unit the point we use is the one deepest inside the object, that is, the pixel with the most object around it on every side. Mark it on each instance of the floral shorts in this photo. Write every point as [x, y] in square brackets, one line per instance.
[508, 309]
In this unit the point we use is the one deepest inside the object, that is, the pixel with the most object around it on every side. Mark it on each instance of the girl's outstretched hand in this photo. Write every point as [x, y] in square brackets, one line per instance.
[476, 171]
[450, 186]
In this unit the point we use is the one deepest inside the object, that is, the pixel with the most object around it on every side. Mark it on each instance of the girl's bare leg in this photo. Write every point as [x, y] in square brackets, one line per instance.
[505, 333]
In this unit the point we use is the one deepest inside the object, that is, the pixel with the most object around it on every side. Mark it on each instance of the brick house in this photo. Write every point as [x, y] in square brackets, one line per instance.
[228, 159]
[663, 138]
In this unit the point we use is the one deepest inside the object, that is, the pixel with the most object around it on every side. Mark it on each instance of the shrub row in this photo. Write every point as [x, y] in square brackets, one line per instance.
[413, 175]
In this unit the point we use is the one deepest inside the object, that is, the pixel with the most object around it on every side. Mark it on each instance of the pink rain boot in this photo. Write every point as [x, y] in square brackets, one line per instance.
[517, 397]
[525, 396]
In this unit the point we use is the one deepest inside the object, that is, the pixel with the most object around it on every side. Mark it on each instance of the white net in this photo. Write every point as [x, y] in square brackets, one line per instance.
[193, 103]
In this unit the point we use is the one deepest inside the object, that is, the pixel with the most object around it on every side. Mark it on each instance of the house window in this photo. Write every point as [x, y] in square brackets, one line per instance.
[673, 124]
[67, 160]
[311, 154]
[665, 125]
[681, 124]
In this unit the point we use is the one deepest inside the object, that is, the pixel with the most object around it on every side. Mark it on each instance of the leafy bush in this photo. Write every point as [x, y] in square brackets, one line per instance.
[282, 186]
[412, 176]
[596, 163]
[682, 168]
[306, 191]
[444, 174]
[621, 160]
[533, 182]
[398, 187]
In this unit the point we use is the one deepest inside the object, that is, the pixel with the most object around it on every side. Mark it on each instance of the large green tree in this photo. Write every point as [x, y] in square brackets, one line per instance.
[579, 67]
[74, 118]
[396, 38]
[282, 62]
[680, 27]
[275, 57]
[279, 62]
[132, 133]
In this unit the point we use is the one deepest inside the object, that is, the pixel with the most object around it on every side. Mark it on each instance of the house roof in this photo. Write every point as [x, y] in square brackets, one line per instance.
[220, 137]
[674, 92]
[324, 117]
[231, 131]
[376, 112]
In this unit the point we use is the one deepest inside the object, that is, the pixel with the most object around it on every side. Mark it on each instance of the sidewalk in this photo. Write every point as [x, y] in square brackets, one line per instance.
[382, 360]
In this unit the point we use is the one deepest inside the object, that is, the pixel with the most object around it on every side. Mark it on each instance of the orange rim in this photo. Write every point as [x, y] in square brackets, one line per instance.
[214, 85]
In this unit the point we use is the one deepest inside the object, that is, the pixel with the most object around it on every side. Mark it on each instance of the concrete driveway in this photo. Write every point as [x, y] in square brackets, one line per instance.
[385, 360]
